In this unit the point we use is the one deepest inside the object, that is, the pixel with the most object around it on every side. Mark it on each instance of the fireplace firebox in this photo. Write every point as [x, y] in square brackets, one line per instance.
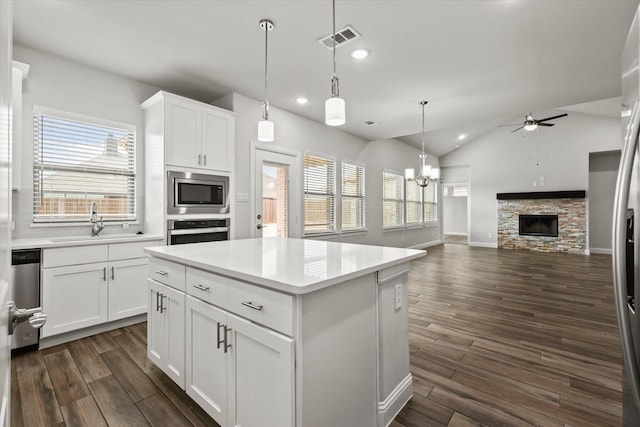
[538, 225]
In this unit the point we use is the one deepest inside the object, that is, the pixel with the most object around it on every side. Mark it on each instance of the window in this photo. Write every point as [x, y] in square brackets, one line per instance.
[456, 191]
[413, 202]
[352, 196]
[430, 194]
[78, 160]
[319, 195]
[393, 199]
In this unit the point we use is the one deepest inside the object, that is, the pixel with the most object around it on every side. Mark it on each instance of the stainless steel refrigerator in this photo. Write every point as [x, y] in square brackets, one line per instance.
[626, 237]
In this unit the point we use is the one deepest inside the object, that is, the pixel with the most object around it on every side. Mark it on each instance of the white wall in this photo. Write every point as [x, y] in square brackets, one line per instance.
[454, 215]
[57, 83]
[297, 134]
[501, 162]
[603, 172]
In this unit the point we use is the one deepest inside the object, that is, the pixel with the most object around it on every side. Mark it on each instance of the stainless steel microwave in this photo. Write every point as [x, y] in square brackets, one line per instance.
[189, 193]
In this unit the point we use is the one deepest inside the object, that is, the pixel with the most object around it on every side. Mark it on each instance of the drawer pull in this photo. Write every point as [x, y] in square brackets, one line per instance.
[202, 287]
[251, 305]
[162, 272]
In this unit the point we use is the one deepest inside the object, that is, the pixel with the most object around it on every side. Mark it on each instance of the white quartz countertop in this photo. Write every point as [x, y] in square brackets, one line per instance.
[295, 266]
[67, 241]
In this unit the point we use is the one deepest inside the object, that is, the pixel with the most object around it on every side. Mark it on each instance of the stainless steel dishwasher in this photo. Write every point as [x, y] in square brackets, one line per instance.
[25, 286]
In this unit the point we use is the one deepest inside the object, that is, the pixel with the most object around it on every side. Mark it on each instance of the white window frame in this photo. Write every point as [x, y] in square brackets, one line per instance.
[361, 197]
[435, 185]
[419, 203]
[331, 194]
[399, 201]
[40, 219]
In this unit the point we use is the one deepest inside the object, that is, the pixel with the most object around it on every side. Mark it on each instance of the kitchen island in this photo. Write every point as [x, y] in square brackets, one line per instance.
[284, 332]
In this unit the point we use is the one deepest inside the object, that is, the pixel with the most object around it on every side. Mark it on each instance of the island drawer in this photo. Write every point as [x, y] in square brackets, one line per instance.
[167, 272]
[207, 286]
[266, 307]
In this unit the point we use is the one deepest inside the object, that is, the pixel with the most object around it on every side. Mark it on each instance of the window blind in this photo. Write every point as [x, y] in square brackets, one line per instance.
[430, 205]
[319, 194]
[352, 196]
[392, 199]
[413, 202]
[78, 160]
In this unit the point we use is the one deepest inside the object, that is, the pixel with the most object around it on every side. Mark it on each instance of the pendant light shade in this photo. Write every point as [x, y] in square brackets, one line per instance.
[266, 128]
[334, 111]
[427, 173]
[334, 107]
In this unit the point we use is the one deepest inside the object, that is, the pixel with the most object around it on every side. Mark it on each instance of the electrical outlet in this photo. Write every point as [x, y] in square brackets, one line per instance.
[397, 289]
[125, 225]
[534, 184]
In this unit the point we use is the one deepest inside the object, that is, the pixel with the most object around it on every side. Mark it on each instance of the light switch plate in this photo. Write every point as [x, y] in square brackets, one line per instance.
[242, 197]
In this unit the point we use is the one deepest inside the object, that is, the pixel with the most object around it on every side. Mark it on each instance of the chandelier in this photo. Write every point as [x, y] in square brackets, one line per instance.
[427, 172]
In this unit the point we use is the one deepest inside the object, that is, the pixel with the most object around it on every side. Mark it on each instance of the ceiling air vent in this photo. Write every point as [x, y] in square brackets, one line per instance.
[343, 36]
[370, 123]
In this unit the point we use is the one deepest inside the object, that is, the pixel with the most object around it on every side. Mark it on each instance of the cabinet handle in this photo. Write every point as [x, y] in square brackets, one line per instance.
[200, 159]
[113, 273]
[205, 159]
[104, 274]
[218, 338]
[157, 301]
[162, 272]
[252, 305]
[226, 346]
[162, 307]
[201, 287]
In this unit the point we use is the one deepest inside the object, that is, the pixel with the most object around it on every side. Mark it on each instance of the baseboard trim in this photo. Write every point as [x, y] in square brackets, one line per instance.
[393, 404]
[454, 233]
[484, 244]
[426, 245]
[603, 251]
[91, 330]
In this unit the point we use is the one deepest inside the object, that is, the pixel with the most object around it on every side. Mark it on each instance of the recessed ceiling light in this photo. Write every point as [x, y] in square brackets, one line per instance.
[301, 100]
[461, 136]
[359, 53]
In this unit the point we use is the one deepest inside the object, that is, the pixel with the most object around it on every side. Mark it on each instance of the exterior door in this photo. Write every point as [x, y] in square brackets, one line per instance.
[5, 208]
[276, 195]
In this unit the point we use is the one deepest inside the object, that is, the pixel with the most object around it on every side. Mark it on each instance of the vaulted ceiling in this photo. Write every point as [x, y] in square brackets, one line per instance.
[479, 63]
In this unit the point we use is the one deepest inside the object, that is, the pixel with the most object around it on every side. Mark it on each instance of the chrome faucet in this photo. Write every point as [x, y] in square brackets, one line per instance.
[96, 227]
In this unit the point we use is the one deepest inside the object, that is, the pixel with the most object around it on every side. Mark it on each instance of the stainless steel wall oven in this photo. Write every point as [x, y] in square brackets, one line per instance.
[181, 231]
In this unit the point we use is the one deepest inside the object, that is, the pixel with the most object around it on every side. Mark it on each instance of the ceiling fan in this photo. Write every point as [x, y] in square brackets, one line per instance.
[531, 124]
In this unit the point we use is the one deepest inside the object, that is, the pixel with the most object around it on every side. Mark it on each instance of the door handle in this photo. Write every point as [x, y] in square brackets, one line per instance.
[621, 201]
[259, 226]
[104, 274]
[226, 331]
[157, 301]
[162, 272]
[113, 273]
[200, 159]
[162, 307]
[252, 305]
[205, 160]
[202, 287]
[218, 333]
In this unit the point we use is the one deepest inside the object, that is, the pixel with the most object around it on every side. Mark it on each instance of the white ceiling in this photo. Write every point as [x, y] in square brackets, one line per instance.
[479, 63]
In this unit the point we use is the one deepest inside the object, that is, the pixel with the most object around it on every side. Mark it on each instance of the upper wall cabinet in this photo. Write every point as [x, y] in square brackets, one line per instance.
[193, 134]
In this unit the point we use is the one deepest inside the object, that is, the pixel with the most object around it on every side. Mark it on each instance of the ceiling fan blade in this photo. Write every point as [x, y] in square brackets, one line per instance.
[517, 129]
[554, 117]
[546, 124]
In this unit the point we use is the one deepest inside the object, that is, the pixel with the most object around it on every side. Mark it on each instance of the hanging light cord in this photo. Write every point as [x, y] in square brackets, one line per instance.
[335, 89]
[266, 47]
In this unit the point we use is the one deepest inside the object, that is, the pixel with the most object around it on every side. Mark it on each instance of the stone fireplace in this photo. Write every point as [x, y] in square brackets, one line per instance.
[545, 221]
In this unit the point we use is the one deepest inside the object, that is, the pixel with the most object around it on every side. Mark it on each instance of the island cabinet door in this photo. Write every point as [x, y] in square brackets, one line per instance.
[207, 358]
[261, 378]
[165, 330]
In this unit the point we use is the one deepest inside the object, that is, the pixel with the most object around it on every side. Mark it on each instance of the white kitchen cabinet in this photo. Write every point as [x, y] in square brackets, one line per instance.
[192, 134]
[165, 330]
[84, 286]
[127, 293]
[74, 297]
[240, 373]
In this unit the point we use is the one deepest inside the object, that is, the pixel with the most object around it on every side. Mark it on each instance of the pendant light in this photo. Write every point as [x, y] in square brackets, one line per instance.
[265, 126]
[427, 172]
[334, 107]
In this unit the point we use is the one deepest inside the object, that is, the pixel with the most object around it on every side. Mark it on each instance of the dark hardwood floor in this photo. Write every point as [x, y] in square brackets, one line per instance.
[497, 337]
